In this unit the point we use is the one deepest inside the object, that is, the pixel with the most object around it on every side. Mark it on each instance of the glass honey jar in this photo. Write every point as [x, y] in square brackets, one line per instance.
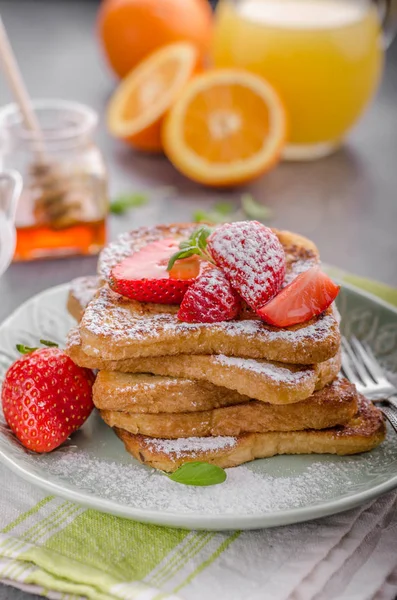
[64, 202]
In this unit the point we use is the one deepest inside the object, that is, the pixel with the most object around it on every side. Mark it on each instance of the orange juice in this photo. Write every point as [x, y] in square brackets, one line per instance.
[325, 58]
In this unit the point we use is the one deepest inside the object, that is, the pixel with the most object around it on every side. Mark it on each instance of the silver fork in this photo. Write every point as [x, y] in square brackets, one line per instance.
[361, 368]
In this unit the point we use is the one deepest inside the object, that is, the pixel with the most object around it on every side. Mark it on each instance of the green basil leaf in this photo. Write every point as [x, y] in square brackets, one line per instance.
[49, 344]
[25, 349]
[254, 210]
[199, 474]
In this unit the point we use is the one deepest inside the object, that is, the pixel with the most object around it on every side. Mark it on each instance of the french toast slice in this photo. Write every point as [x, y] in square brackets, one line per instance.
[144, 393]
[115, 327]
[362, 433]
[277, 383]
[81, 291]
[336, 404]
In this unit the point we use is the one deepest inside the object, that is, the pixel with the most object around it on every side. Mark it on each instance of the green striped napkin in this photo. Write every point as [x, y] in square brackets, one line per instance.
[60, 550]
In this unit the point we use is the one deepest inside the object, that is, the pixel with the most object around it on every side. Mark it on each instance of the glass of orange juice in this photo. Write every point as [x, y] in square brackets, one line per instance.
[325, 58]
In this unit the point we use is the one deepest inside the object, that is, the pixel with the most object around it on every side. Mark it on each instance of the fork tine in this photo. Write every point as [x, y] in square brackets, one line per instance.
[346, 366]
[368, 359]
[358, 365]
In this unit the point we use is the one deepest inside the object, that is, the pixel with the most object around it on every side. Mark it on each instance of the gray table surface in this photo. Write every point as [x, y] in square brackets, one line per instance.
[346, 203]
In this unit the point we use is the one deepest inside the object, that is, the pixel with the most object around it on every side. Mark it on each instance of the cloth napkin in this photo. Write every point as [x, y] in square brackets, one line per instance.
[60, 550]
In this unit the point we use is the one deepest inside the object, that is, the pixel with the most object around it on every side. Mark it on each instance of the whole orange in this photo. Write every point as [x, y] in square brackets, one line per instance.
[129, 30]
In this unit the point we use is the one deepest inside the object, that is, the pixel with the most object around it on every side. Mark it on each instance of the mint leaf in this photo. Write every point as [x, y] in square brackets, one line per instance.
[224, 212]
[49, 344]
[199, 474]
[199, 237]
[22, 349]
[196, 244]
[223, 208]
[254, 210]
[212, 216]
[201, 215]
[184, 253]
[126, 201]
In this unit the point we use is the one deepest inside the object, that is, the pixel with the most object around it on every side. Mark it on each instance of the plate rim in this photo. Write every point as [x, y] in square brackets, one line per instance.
[199, 520]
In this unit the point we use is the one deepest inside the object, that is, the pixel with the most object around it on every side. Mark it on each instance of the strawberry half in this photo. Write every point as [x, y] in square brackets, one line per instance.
[45, 398]
[310, 294]
[144, 276]
[210, 299]
[252, 259]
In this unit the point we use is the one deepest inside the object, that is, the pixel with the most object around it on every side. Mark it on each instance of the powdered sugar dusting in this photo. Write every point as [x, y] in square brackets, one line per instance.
[133, 241]
[130, 242]
[111, 316]
[83, 289]
[143, 383]
[260, 488]
[252, 257]
[211, 298]
[297, 267]
[73, 338]
[191, 446]
[270, 370]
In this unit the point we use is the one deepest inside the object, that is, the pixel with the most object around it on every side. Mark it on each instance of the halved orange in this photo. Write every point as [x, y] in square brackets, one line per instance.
[227, 127]
[140, 102]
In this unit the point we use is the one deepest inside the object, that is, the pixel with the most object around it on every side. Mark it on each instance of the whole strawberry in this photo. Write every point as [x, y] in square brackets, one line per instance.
[252, 258]
[210, 299]
[46, 397]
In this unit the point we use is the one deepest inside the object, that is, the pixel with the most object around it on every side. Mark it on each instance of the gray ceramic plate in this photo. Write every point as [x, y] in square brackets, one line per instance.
[94, 470]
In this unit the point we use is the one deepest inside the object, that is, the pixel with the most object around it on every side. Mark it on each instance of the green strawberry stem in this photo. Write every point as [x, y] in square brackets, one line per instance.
[195, 245]
[49, 344]
[22, 349]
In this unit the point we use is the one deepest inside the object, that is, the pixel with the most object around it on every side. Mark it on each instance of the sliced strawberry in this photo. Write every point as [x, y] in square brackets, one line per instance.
[46, 397]
[251, 257]
[185, 268]
[305, 297]
[144, 276]
[210, 299]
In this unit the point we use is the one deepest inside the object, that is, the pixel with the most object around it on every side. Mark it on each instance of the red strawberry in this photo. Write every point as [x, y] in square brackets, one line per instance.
[144, 276]
[306, 296]
[251, 257]
[210, 299]
[45, 398]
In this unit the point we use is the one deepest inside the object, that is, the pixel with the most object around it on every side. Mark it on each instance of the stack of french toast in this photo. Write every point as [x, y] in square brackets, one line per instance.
[235, 357]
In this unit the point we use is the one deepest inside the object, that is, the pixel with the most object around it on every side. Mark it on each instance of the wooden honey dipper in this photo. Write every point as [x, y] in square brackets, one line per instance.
[53, 202]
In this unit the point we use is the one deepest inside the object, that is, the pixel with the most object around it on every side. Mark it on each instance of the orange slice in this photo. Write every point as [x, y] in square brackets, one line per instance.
[228, 126]
[137, 108]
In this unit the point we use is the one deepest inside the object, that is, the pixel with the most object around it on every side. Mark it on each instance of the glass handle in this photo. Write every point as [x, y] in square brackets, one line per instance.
[13, 181]
[388, 14]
